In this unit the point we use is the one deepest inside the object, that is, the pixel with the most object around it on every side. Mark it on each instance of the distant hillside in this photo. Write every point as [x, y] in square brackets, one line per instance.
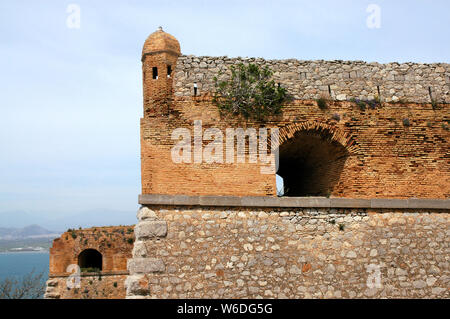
[32, 231]
[61, 222]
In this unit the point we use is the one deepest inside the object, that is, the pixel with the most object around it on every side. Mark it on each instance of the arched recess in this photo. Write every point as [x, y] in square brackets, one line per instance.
[311, 158]
[90, 260]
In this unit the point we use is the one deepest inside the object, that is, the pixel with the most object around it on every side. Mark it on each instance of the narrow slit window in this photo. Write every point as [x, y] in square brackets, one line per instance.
[155, 73]
[169, 71]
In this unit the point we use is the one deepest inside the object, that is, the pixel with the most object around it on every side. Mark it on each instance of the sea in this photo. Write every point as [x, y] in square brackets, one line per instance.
[17, 264]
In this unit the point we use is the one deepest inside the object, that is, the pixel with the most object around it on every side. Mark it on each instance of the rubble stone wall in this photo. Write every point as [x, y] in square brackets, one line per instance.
[245, 252]
[345, 79]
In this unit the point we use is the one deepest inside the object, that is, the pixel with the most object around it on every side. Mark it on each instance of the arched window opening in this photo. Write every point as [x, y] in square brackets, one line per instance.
[90, 260]
[155, 73]
[310, 164]
[169, 71]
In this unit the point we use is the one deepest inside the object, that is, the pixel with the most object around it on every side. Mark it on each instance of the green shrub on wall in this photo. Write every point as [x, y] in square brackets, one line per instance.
[322, 103]
[250, 92]
[90, 269]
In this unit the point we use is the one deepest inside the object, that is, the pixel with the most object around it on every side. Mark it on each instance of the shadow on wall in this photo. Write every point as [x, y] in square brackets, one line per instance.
[90, 260]
[310, 164]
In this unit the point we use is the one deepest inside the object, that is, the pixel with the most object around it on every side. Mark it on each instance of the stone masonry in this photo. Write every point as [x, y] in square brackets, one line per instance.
[307, 80]
[263, 252]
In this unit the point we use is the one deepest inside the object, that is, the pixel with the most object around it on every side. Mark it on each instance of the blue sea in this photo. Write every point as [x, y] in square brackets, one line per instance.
[18, 264]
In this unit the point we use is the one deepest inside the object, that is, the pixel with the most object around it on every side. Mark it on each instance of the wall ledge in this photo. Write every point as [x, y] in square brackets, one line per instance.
[90, 274]
[297, 202]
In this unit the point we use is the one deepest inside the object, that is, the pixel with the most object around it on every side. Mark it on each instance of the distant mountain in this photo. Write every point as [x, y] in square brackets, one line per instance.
[93, 218]
[62, 221]
[19, 219]
[31, 231]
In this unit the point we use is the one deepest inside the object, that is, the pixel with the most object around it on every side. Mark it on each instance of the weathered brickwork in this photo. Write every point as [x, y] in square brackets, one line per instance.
[394, 150]
[75, 248]
[385, 158]
[345, 79]
[290, 253]
[159, 57]
[91, 286]
[112, 242]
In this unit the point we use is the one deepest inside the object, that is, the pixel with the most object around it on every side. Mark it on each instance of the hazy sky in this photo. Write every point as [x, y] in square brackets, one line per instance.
[71, 98]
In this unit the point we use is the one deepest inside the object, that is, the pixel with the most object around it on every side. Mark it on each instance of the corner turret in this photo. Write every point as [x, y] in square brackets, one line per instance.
[159, 57]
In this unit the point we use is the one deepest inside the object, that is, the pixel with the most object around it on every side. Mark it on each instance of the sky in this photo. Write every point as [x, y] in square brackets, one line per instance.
[71, 98]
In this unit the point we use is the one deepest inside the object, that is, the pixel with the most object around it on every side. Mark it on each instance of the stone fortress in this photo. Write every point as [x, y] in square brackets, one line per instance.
[365, 212]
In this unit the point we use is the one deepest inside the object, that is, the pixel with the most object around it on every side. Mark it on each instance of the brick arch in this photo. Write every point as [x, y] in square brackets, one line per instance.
[329, 132]
[95, 246]
[312, 158]
[106, 253]
[90, 258]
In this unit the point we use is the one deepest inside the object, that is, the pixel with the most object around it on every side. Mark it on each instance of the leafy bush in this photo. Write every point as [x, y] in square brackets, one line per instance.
[336, 117]
[373, 104]
[406, 122]
[363, 104]
[360, 103]
[249, 92]
[322, 103]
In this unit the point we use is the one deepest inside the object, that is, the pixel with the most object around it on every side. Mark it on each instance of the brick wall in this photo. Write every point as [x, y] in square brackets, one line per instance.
[115, 245]
[385, 158]
[398, 149]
